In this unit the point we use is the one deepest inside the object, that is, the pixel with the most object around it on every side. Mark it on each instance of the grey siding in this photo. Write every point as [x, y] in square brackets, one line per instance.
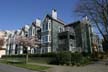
[55, 31]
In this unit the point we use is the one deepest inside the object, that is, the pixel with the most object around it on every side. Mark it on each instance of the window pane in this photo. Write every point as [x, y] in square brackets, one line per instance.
[49, 38]
[46, 26]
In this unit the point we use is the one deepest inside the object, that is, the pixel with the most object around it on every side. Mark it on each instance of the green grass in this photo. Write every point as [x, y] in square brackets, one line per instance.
[31, 67]
[42, 60]
[27, 66]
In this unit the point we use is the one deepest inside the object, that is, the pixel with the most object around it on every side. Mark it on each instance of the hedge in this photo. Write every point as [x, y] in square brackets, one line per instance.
[62, 58]
[32, 55]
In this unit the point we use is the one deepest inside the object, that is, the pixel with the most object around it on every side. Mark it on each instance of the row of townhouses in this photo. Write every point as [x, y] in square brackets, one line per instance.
[55, 36]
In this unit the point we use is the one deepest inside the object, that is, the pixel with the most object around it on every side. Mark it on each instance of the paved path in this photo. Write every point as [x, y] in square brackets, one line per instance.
[9, 68]
[97, 67]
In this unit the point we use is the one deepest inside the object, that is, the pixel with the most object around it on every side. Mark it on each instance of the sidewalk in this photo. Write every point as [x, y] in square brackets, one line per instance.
[96, 67]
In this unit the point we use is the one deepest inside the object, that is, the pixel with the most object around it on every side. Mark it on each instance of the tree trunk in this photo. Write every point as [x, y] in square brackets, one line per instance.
[26, 61]
[26, 58]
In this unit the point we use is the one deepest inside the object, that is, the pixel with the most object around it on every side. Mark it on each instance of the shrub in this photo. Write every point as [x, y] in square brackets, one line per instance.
[76, 58]
[4, 56]
[64, 57]
[85, 61]
[86, 54]
[32, 55]
[48, 54]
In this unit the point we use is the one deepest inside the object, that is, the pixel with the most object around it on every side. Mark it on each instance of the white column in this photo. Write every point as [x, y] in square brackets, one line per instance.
[13, 49]
[21, 50]
[7, 52]
[49, 49]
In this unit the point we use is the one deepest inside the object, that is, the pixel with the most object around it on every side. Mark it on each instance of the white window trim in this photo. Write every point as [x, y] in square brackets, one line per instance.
[49, 38]
[48, 24]
[43, 39]
[61, 29]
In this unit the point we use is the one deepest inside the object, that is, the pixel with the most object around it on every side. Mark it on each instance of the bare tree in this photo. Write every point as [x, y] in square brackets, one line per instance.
[26, 42]
[97, 11]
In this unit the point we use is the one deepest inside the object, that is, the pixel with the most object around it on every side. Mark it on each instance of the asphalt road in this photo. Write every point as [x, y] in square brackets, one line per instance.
[9, 68]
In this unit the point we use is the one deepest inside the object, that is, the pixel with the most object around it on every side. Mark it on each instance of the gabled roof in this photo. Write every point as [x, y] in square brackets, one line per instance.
[73, 23]
[34, 24]
[57, 20]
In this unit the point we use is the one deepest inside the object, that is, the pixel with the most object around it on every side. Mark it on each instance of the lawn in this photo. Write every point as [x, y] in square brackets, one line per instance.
[26, 66]
[31, 67]
[42, 60]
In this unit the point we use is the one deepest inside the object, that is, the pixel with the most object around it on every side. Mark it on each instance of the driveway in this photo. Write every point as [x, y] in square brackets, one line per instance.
[9, 68]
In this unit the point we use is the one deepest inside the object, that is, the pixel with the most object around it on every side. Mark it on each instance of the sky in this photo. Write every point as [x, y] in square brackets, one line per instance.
[14, 14]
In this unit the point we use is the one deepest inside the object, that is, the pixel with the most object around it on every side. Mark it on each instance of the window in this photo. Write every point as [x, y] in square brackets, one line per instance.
[63, 37]
[72, 37]
[30, 32]
[43, 27]
[26, 34]
[61, 29]
[71, 45]
[33, 31]
[46, 27]
[45, 39]
[49, 24]
[49, 38]
[42, 39]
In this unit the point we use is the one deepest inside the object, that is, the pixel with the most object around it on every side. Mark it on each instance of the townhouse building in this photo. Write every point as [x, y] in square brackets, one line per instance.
[55, 36]
[51, 26]
[58, 36]
[35, 30]
[96, 43]
[13, 48]
[2, 47]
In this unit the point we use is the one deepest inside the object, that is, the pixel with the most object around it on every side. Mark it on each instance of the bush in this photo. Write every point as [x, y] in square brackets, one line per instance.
[62, 58]
[79, 59]
[4, 56]
[48, 55]
[86, 54]
[85, 61]
[32, 55]
[76, 58]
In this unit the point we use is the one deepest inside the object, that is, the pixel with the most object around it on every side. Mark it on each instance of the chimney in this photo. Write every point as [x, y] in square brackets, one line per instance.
[38, 22]
[54, 14]
[86, 20]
